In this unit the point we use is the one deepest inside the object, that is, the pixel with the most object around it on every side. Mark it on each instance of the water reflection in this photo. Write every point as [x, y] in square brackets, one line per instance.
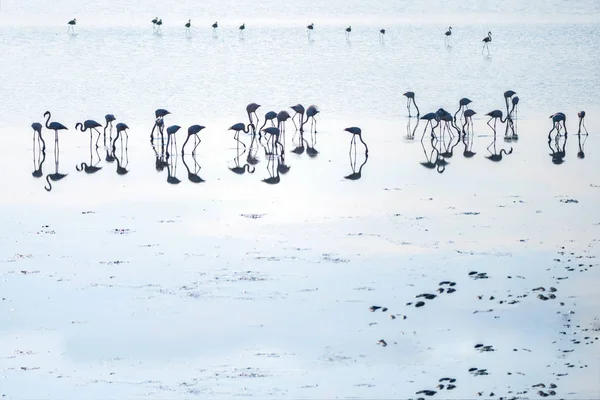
[160, 161]
[356, 174]
[56, 176]
[273, 170]
[38, 162]
[432, 162]
[91, 167]
[193, 176]
[122, 160]
[581, 153]
[172, 171]
[557, 148]
[495, 155]
[240, 169]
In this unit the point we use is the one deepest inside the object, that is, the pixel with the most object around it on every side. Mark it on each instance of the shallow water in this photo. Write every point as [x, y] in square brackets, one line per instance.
[127, 285]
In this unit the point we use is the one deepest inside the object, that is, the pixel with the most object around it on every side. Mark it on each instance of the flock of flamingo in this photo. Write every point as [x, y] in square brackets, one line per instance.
[446, 131]
[158, 22]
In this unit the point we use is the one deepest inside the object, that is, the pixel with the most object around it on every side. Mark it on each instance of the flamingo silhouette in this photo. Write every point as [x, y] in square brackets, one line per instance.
[463, 103]
[187, 27]
[54, 126]
[37, 127]
[71, 27]
[429, 117]
[215, 26]
[468, 114]
[172, 130]
[356, 131]
[486, 43]
[495, 115]
[274, 133]
[240, 127]
[242, 28]
[311, 112]
[580, 153]
[38, 164]
[269, 116]
[309, 29]
[447, 34]
[121, 127]
[251, 109]
[109, 121]
[298, 110]
[160, 114]
[154, 21]
[192, 131]
[557, 118]
[581, 115]
[410, 97]
[348, 30]
[381, 34]
[159, 26]
[89, 124]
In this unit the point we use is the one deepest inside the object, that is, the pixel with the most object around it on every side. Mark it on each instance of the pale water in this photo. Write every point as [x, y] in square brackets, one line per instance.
[124, 285]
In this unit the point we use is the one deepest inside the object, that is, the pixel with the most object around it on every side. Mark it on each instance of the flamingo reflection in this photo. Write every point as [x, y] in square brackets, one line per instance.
[193, 176]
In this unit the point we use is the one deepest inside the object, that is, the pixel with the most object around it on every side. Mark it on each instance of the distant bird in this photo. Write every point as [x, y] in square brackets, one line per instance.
[158, 25]
[355, 131]
[242, 28]
[462, 103]
[121, 127]
[109, 120]
[581, 115]
[240, 127]
[311, 112]
[172, 130]
[508, 95]
[486, 43]
[282, 116]
[299, 110]
[448, 34]
[310, 28]
[192, 131]
[495, 115]
[512, 116]
[89, 124]
[154, 21]
[215, 26]
[348, 30]
[274, 132]
[54, 126]
[381, 35]
[556, 120]
[71, 27]
[160, 114]
[37, 127]
[187, 27]
[410, 96]
[251, 109]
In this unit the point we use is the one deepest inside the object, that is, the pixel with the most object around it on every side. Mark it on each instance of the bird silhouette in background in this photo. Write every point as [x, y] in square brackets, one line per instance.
[71, 27]
[309, 29]
[381, 34]
[159, 26]
[240, 127]
[171, 131]
[160, 114]
[54, 126]
[154, 22]
[188, 31]
[557, 119]
[242, 28]
[109, 122]
[348, 30]
[356, 131]
[463, 104]
[311, 112]
[298, 110]
[215, 26]
[486, 43]
[90, 125]
[581, 115]
[410, 97]
[192, 131]
[121, 128]
[447, 36]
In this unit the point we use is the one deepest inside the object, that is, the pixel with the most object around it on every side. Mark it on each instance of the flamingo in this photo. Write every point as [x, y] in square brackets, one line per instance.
[494, 115]
[172, 130]
[429, 117]
[121, 127]
[298, 109]
[109, 120]
[486, 43]
[311, 112]
[158, 25]
[581, 115]
[192, 131]
[54, 126]
[154, 21]
[240, 127]
[274, 132]
[515, 136]
[89, 124]
[215, 26]
[187, 27]
[309, 29]
[269, 116]
[556, 120]
[356, 131]
[160, 115]
[348, 30]
[410, 96]
[242, 28]
[468, 121]
[462, 103]
[381, 35]
[282, 116]
[448, 34]
[37, 127]
[251, 109]
[71, 27]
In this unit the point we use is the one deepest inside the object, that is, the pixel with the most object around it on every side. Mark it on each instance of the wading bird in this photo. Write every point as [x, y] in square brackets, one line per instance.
[448, 34]
[240, 127]
[172, 130]
[298, 110]
[160, 115]
[37, 127]
[158, 25]
[410, 96]
[109, 120]
[381, 35]
[54, 126]
[251, 109]
[309, 29]
[311, 112]
[581, 115]
[355, 131]
[274, 133]
[556, 120]
[269, 116]
[348, 30]
[192, 131]
[495, 115]
[71, 27]
[91, 125]
[429, 117]
[187, 27]
[121, 127]
[468, 121]
[462, 103]
[215, 26]
[154, 21]
[242, 28]
[486, 43]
